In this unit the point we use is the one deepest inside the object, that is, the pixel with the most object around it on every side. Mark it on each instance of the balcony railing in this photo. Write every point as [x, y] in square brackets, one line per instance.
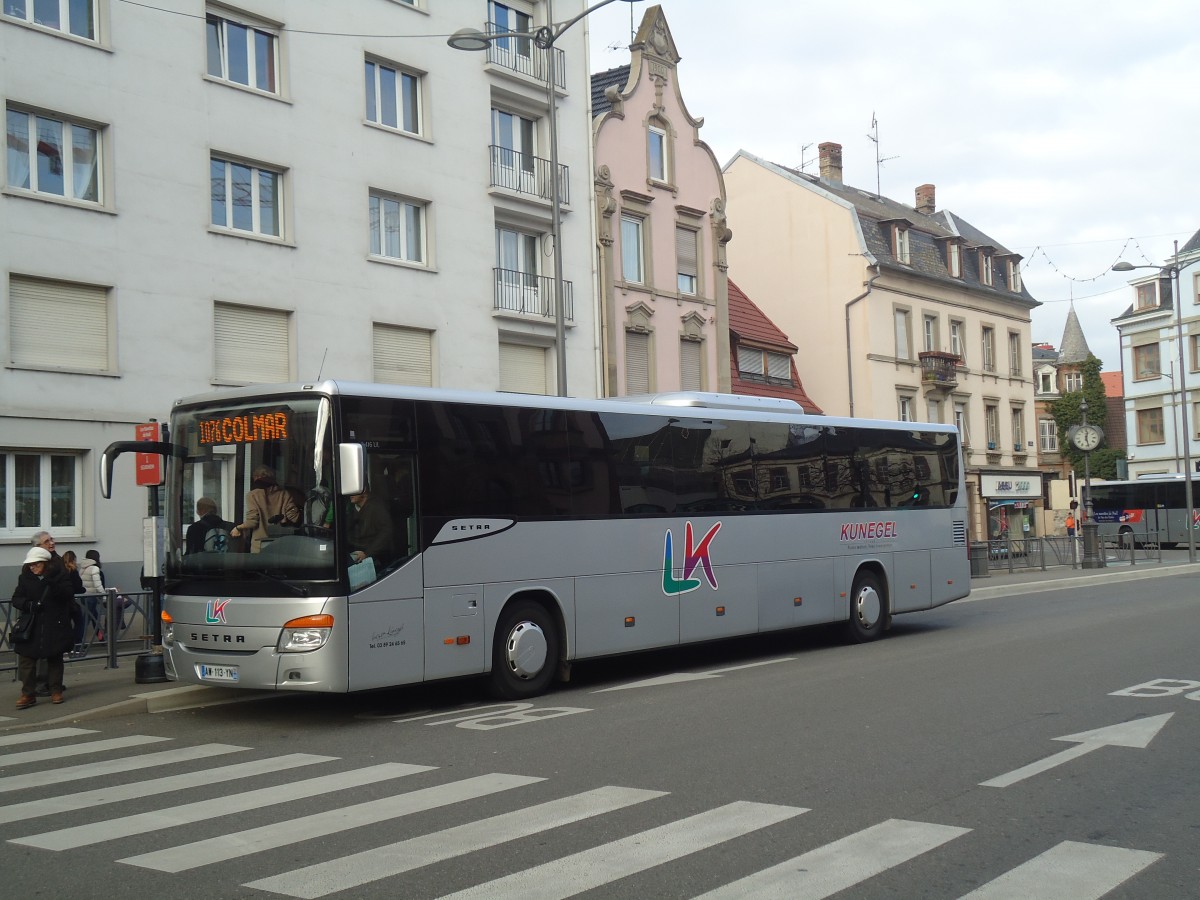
[533, 295]
[939, 369]
[518, 54]
[527, 174]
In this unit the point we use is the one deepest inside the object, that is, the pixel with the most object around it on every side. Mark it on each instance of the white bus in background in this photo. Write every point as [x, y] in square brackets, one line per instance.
[527, 532]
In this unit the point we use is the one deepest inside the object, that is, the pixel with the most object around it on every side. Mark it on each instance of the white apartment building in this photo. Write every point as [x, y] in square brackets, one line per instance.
[200, 195]
[1150, 366]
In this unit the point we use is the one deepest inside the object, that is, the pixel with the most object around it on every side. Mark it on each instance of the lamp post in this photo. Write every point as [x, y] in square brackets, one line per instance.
[544, 38]
[1177, 300]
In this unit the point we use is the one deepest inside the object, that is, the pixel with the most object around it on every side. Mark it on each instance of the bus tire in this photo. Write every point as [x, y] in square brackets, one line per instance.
[868, 609]
[525, 651]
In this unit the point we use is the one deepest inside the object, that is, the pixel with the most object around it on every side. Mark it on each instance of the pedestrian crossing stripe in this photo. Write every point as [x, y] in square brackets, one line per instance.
[1070, 869]
[105, 767]
[64, 751]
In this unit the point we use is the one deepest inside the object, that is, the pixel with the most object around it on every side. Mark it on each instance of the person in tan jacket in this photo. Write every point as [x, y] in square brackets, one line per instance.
[266, 504]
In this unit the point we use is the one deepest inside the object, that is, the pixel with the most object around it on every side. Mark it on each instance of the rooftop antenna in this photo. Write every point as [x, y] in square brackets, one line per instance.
[804, 162]
[874, 137]
[321, 370]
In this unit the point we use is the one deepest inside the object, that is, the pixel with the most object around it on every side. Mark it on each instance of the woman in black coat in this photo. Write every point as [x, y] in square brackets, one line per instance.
[44, 591]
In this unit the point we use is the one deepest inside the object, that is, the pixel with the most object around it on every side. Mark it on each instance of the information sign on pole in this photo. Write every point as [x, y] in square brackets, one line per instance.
[149, 465]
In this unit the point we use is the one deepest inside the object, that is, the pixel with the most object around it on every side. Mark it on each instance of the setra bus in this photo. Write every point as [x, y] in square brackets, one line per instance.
[513, 534]
[1150, 508]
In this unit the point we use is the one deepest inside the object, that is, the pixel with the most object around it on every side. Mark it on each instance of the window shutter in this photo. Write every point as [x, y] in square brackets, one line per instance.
[58, 324]
[750, 360]
[690, 357]
[523, 369]
[251, 345]
[637, 363]
[686, 251]
[779, 366]
[402, 355]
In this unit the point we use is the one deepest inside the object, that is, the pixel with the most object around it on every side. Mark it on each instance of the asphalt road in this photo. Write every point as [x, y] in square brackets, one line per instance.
[1031, 746]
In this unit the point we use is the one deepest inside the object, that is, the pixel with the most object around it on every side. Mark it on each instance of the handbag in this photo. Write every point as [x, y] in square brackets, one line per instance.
[23, 630]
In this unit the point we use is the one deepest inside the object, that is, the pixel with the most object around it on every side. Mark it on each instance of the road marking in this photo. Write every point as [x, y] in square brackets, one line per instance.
[404, 856]
[1078, 871]
[1138, 734]
[119, 792]
[188, 813]
[33, 737]
[62, 752]
[601, 865]
[268, 837]
[681, 677]
[844, 863]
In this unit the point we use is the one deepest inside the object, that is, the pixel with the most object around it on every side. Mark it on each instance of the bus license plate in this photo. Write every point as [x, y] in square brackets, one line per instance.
[219, 673]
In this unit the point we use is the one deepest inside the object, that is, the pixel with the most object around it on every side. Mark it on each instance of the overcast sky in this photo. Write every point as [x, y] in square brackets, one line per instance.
[1068, 131]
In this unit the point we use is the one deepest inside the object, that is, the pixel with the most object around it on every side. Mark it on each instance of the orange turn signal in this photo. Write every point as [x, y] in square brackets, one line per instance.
[322, 621]
[166, 617]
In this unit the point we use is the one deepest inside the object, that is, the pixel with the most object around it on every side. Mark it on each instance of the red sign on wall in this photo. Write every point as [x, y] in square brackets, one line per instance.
[149, 465]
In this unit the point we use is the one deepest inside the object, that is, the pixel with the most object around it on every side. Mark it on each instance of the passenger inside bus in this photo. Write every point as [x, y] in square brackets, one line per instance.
[267, 504]
[370, 531]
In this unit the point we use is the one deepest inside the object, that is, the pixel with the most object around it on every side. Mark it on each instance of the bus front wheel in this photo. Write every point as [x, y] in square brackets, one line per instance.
[525, 651]
[868, 609]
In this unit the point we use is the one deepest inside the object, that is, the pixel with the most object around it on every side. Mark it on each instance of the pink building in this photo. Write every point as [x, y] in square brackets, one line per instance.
[661, 228]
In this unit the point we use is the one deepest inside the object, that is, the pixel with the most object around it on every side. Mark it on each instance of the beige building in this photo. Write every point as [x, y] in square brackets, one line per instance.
[898, 312]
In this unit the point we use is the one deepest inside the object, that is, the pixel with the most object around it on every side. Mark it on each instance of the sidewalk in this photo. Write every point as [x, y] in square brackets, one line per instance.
[94, 691]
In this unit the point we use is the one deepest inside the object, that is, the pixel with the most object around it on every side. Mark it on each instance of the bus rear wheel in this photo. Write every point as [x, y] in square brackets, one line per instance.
[868, 609]
[525, 651]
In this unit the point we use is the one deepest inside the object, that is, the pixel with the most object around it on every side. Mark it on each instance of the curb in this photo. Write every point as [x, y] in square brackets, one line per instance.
[1129, 573]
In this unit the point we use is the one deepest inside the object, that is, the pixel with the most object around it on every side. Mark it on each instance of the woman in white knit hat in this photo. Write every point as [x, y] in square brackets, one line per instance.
[50, 600]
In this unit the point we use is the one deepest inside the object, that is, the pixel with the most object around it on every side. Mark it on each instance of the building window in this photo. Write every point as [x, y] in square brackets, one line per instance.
[930, 329]
[991, 421]
[900, 247]
[933, 410]
[502, 18]
[1146, 295]
[1193, 352]
[243, 53]
[632, 253]
[637, 362]
[903, 324]
[1047, 435]
[1073, 381]
[1150, 426]
[77, 17]
[54, 156]
[523, 368]
[988, 348]
[246, 197]
[1015, 353]
[691, 365]
[985, 268]
[1014, 276]
[960, 422]
[687, 256]
[401, 355]
[755, 364]
[1045, 380]
[1018, 429]
[514, 153]
[252, 345]
[40, 492]
[1146, 362]
[397, 228]
[59, 325]
[904, 408]
[393, 97]
[957, 347]
[954, 259]
[657, 153]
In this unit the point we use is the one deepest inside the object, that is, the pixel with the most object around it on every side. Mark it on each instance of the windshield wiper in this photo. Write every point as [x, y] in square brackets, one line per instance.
[298, 591]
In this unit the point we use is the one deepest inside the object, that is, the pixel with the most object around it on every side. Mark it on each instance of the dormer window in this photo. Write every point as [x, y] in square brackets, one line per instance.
[954, 259]
[985, 268]
[900, 244]
[1014, 275]
[1147, 295]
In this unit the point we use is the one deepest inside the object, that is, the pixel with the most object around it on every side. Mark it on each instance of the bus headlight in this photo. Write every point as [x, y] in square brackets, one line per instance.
[304, 634]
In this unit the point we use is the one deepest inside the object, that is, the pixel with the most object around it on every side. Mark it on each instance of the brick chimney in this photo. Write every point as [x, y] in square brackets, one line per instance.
[925, 201]
[831, 162]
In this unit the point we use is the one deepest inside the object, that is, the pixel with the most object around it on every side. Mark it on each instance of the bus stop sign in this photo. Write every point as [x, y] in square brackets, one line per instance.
[149, 466]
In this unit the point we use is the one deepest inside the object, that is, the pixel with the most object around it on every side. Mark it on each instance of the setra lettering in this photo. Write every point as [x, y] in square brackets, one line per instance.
[204, 637]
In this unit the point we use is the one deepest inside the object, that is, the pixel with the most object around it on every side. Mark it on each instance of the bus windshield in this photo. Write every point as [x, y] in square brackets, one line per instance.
[252, 501]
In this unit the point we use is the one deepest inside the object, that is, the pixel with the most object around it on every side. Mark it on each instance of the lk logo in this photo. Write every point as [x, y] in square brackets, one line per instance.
[214, 613]
[692, 557]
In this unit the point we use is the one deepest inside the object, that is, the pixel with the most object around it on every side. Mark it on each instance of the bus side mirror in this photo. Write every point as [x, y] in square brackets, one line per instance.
[352, 463]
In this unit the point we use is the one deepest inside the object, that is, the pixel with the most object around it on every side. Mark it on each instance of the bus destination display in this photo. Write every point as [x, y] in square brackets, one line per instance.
[248, 428]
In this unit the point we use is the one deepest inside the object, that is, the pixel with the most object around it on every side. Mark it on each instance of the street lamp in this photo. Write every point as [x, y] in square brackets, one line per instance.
[544, 38]
[1177, 300]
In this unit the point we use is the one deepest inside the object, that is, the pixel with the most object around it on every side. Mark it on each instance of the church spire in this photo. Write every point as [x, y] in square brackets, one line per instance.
[1074, 348]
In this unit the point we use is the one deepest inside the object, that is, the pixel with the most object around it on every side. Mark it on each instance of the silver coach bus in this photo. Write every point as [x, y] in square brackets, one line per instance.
[513, 534]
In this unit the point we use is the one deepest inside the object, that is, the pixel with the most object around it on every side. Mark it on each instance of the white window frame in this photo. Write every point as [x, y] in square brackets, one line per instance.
[930, 331]
[900, 245]
[1015, 354]
[991, 419]
[656, 135]
[1045, 380]
[28, 16]
[687, 244]
[382, 204]
[633, 233]
[1146, 426]
[954, 259]
[1146, 295]
[217, 22]
[961, 422]
[1048, 435]
[408, 103]
[257, 171]
[902, 323]
[904, 408]
[69, 130]
[81, 337]
[1073, 381]
[1147, 361]
[1018, 429]
[985, 269]
[45, 493]
[957, 345]
[987, 341]
[1014, 276]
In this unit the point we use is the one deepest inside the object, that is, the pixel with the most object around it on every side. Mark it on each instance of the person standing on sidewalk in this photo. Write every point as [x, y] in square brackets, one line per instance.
[45, 593]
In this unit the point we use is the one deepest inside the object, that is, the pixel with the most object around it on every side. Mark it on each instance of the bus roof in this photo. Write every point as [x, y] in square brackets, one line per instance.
[687, 404]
